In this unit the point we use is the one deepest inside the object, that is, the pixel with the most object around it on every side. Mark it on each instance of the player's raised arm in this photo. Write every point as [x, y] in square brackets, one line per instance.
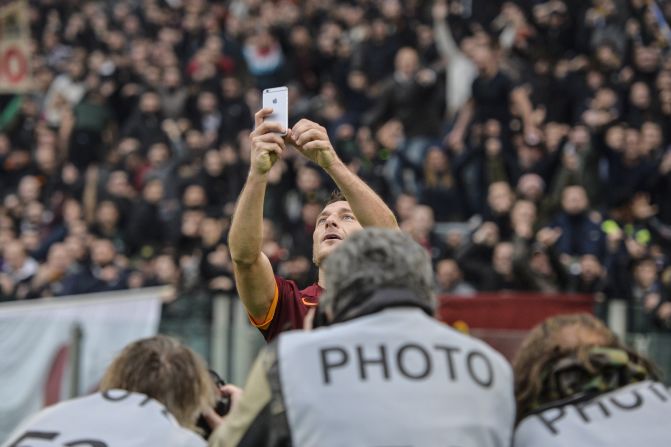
[253, 272]
[313, 142]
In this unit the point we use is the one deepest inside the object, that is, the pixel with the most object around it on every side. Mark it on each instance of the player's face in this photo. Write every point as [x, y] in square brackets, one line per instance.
[334, 224]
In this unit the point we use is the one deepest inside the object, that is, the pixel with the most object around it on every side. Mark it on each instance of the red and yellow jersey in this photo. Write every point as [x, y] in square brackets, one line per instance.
[288, 308]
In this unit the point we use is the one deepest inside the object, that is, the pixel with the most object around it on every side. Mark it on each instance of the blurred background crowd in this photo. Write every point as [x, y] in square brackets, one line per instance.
[525, 143]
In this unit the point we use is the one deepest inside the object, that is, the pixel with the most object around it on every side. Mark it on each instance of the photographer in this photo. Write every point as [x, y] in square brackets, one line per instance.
[376, 361]
[151, 395]
[577, 384]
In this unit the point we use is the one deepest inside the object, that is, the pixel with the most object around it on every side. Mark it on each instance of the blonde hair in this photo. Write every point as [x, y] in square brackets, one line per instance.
[435, 180]
[167, 371]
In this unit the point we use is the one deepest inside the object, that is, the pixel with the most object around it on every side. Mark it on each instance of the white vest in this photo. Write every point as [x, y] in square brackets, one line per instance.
[395, 378]
[113, 419]
[633, 416]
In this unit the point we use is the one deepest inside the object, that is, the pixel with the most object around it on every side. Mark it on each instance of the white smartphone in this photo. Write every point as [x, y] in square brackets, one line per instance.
[277, 98]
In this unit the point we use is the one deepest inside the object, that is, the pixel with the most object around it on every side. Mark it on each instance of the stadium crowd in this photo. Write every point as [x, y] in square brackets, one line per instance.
[524, 144]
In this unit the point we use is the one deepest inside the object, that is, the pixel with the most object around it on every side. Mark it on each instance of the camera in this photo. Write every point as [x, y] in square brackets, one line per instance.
[221, 406]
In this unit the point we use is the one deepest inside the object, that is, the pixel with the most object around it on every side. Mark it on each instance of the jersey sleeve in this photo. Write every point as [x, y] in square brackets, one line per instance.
[286, 312]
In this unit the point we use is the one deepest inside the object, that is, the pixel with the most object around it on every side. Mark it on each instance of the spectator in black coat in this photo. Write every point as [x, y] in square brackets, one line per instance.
[18, 269]
[107, 224]
[235, 113]
[450, 280]
[489, 264]
[104, 273]
[628, 169]
[173, 93]
[649, 301]
[500, 201]
[440, 189]
[117, 187]
[494, 95]
[580, 232]
[378, 51]
[219, 187]
[146, 227]
[592, 278]
[411, 95]
[421, 227]
[661, 187]
[365, 156]
[216, 267]
[145, 124]
[49, 279]
[301, 232]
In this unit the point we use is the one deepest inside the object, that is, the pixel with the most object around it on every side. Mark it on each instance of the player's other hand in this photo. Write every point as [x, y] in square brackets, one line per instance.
[313, 142]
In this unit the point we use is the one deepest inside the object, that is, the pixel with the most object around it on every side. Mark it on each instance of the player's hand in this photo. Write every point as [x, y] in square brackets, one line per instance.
[313, 142]
[267, 143]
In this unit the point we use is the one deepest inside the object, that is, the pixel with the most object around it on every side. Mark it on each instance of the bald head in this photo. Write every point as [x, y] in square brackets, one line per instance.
[406, 62]
[15, 254]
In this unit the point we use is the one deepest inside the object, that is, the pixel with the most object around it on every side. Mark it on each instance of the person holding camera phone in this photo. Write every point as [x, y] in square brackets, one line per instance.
[273, 303]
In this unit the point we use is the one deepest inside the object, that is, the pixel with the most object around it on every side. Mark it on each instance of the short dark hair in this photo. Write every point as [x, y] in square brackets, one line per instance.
[646, 259]
[336, 196]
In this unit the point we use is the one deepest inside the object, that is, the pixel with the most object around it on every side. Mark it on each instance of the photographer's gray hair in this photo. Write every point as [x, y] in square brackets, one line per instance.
[372, 259]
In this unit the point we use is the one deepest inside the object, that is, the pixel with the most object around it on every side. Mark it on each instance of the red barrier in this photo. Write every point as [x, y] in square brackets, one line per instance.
[503, 319]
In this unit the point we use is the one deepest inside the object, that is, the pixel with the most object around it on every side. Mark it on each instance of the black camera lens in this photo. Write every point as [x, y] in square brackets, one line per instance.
[218, 381]
[221, 406]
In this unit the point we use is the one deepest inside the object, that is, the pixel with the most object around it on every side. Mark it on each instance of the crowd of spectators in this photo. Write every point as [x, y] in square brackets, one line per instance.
[525, 144]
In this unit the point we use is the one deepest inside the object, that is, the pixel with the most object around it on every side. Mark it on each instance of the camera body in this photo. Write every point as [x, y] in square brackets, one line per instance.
[222, 406]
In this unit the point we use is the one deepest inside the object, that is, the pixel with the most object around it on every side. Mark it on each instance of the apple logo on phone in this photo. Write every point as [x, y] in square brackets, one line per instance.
[276, 99]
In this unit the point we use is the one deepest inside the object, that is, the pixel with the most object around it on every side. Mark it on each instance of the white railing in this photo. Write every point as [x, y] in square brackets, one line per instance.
[56, 348]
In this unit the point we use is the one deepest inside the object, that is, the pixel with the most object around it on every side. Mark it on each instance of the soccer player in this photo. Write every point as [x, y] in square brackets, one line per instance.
[273, 303]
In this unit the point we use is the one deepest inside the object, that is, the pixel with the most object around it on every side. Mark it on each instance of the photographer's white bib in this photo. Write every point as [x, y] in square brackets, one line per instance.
[637, 415]
[395, 378]
[113, 419]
